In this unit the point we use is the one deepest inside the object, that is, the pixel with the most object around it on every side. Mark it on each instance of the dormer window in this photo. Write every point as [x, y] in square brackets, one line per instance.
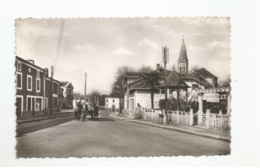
[19, 66]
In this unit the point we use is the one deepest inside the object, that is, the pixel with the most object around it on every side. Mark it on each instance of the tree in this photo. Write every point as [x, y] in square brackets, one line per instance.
[226, 82]
[145, 69]
[152, 80]
[119, 83]
[194, 68]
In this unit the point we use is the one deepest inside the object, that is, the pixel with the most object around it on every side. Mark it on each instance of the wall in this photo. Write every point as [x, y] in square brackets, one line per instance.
[144, 99]
[112, 101]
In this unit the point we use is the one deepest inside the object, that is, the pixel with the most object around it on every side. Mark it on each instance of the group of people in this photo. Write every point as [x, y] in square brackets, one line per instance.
[82, 110]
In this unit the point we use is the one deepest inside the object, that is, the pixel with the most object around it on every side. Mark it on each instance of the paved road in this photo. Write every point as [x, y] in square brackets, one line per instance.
[108, 137]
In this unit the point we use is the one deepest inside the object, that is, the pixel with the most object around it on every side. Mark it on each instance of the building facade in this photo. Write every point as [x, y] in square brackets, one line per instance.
[67, 94]
[33, 88]
[111, 102]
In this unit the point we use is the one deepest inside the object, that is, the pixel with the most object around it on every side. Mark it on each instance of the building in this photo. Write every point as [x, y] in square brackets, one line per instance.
[113, 100]
[33, 88]
[180, 84]
[67, 94]
[138, 92]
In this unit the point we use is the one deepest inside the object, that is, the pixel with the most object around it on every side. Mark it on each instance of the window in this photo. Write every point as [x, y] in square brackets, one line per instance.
[29, 83]
[18, 80]
[194, 86]
[19, 66]
[38, 85]
[38, 73]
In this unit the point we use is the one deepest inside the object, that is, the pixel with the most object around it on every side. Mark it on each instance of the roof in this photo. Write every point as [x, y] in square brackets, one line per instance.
[173, 81]
[66, 84]
[183, 54]
[21, 59]
[205, 73]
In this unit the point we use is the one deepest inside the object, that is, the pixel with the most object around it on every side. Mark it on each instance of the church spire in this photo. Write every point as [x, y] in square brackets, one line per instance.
[183, 59]
[183, 54]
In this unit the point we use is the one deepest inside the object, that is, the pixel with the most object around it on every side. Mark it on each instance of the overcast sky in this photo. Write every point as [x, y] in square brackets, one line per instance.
[100, 46]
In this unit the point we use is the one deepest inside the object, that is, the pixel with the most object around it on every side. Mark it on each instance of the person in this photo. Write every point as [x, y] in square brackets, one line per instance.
[79, 110]
[86, 109]
[91, 112]
[96, 109]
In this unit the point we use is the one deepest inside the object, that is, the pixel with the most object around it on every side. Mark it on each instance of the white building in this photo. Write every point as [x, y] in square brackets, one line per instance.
[112, 101]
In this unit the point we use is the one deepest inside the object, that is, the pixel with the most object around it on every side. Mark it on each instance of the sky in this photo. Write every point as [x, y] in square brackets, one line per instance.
[98, 46]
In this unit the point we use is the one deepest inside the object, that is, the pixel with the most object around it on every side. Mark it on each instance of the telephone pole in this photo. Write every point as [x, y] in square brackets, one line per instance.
[165, 58]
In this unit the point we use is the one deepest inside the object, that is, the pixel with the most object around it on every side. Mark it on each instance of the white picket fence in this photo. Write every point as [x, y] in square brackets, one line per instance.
[210, 120]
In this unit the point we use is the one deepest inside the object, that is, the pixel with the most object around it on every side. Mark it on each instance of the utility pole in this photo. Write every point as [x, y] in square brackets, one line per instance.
[165, 57]
[52, 71]
[85, 91]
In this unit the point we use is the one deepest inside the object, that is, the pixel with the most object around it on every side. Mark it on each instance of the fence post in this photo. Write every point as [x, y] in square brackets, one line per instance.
[177, 116]
[191, 117]
[200, 112]
[221, 119]
[208, 118]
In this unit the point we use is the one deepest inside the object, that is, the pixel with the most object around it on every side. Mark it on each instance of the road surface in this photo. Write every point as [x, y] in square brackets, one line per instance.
[108, 137]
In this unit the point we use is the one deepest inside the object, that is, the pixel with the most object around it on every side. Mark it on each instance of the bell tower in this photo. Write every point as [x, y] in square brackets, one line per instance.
[183, 62]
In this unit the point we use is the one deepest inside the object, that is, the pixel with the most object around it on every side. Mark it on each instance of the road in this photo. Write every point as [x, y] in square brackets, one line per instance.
[108, 137]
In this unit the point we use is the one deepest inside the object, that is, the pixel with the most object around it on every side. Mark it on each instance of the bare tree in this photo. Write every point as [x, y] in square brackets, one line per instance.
[119, 83]
[145, 69]
[226, 82]
[194, 68]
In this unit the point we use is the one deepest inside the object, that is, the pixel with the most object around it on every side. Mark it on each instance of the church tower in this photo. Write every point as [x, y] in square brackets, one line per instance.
[183, 62]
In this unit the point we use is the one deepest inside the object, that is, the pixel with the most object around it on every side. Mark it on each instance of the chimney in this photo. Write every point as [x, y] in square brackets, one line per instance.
[157, 67]
[31, 61]
[46, 71]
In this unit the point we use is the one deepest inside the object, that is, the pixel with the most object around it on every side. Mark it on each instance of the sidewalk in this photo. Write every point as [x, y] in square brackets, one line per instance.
[195, 130]
[39, 117]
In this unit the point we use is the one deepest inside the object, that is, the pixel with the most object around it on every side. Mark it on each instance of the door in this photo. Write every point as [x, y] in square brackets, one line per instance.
[18, 107]
[29, 104]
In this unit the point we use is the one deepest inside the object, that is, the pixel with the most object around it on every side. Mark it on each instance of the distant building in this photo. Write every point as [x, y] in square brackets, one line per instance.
[67, 95]
[113, 100]
[33, 88]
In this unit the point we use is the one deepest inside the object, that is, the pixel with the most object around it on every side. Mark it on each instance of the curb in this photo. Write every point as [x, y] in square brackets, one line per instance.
[178, 129]
[121, 119]
[44, 118]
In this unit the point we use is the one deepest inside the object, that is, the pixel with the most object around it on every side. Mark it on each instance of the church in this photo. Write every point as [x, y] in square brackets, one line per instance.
[180, 82]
